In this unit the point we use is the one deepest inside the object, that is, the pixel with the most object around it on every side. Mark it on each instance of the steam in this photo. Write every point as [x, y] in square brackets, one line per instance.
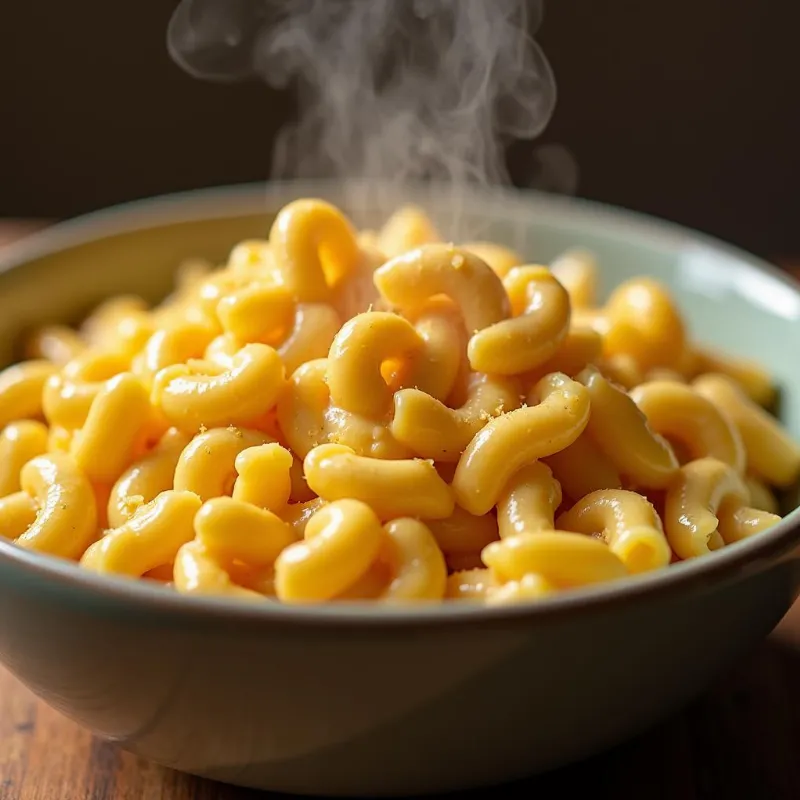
[391, 92]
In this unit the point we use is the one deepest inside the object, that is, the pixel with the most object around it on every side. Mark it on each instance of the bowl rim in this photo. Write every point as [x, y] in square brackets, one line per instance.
[731, 562]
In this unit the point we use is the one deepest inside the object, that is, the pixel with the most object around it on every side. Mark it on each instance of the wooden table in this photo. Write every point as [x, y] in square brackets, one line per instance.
[741, 740]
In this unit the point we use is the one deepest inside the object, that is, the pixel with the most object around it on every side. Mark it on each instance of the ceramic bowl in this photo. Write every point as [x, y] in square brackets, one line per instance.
[370, 701]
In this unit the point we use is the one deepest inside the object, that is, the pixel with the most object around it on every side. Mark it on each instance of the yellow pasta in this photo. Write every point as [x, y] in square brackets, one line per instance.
[68, 395]
[442, 331]
[581, 346]
[512, 440]
[17, 514]
[620, 430]
[57, 344]
[409, 281]
[207, 465]
[146, 478]
[174, 345]
[64, 520]
[21, 390]
[643, 323]
[471, 584]
[621, 369]
[407, 229]
[359, 352]
[371, 585]
[59, 440]
[260, 312]
[341, 541]
[196, 572]
[211, 291]
[200, 393]
[541, 310]
[117, 324]
[501, 259]
[309, 415]
[19, 443]
[434, 430]
[333, 415]
[529, 502]
[399, 488]
[235, 530]
[627, 522]
[250, 259]
[462, 533]
[678, 412]
[581, 468]
[578, 272]
[736, 524]
[150, 538]
[771, 453]
[419, 570]
[264, 477]
[751, 377]
[564, 559]
[298, 515]
[529, 587]
[104, 446]
[707, 506]
[314, 328]
[267, 314]
[303, 406]
[315, 247]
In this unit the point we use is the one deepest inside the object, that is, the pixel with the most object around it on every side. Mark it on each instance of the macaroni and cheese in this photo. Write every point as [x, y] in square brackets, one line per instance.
[383, 416]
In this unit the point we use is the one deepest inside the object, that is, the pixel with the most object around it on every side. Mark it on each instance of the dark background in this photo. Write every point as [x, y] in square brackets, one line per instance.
[685, 109]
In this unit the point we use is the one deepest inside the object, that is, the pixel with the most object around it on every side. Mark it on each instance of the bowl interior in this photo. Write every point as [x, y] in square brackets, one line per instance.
[730, 299]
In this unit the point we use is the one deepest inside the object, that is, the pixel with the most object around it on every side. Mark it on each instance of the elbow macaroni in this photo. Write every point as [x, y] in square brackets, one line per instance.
[770, 453]
[335, 415]
[558, 416]
[540, 322]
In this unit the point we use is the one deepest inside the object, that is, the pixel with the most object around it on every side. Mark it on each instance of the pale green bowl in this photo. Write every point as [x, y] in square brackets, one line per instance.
[368, 701]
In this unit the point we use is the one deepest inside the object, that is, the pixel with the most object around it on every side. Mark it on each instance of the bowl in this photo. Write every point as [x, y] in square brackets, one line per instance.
[373, 701]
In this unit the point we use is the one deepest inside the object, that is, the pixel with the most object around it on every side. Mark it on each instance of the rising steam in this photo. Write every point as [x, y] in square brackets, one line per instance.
[390, 91]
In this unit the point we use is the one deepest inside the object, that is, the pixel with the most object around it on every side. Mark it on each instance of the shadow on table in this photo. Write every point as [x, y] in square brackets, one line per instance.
[740, 740]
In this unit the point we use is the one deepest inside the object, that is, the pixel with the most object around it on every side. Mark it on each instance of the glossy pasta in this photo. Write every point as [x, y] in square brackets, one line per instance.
[334, 415]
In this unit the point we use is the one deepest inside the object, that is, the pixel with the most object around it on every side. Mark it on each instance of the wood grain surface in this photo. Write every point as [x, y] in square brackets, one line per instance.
[741, 740]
